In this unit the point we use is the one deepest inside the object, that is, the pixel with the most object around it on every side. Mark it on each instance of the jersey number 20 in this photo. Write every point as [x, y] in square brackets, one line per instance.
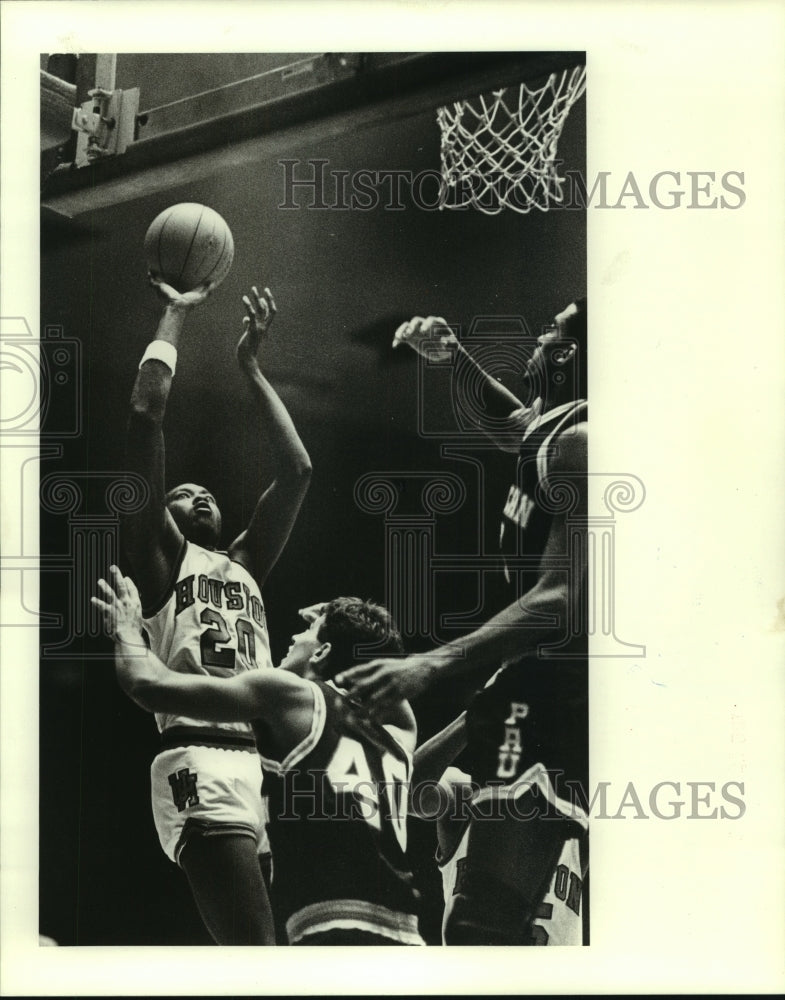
[218, 635]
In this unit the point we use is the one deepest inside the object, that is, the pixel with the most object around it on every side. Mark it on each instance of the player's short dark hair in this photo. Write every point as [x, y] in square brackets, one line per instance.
[350, 624]
[576, 325]
[575, 328]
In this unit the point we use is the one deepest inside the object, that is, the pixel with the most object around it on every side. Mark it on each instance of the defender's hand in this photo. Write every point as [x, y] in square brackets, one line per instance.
[385, 682]
[312, 612]
[179, 300]
[260, 310]
[431, 337]
[121, 607]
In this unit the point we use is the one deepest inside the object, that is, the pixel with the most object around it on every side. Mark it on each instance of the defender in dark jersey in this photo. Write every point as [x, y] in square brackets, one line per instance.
[513, 857]
[340, 788]
[534, 710]
[543, 523]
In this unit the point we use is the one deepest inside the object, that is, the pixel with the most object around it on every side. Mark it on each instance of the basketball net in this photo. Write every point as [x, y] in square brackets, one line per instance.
[500, 151]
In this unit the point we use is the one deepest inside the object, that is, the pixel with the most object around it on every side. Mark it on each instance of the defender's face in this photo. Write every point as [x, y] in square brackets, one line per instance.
[547, 355]
[560, 319]
[302, 648]
[195, 513]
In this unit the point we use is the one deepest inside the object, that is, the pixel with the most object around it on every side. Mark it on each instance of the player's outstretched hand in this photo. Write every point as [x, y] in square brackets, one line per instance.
[381, 683]
[121, 607]
[312, 612]
[521, 418]
[260, 312]
[429, 336]
[184, 300]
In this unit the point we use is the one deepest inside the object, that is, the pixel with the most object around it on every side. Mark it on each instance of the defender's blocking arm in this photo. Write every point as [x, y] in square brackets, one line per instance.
[505, 417]
[517, 631]
[275, 696]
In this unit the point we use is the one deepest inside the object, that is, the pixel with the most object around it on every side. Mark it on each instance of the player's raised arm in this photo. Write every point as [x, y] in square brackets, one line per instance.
[519, 629]
[435, 755]
[151, 538]
[259, 546]
[433, 779]
[506, 417]
[272, 695]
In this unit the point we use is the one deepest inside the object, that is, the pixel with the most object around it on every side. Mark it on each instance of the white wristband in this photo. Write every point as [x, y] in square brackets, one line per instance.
[161, 350]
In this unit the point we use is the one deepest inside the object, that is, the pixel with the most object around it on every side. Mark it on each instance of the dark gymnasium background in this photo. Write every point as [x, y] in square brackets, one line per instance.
[343, 281]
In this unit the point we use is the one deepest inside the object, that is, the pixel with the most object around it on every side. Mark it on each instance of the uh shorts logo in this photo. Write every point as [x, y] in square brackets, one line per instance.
[183, 785]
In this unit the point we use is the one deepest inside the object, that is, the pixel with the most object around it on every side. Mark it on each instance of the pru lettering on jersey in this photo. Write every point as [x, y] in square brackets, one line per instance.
[232, 595]
[511, 749]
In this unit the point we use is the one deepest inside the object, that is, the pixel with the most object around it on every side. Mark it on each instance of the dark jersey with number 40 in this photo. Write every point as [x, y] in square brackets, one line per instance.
[338, 807]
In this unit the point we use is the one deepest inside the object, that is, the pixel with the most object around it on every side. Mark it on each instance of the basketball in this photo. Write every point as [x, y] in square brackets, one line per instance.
[189, 244]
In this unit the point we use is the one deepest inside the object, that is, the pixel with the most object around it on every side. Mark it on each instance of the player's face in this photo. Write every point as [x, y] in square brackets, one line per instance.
[302, 648]
[195, 513]
[547, 354]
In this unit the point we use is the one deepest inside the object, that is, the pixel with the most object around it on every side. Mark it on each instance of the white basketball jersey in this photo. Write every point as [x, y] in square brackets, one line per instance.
[558, 920]
[450, 869]
[213, 622]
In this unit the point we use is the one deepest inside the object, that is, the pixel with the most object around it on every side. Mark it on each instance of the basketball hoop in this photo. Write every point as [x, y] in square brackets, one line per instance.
[500, 151]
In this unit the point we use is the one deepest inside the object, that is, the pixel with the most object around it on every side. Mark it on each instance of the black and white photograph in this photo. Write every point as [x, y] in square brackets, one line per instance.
[331, 437]
[334, 621]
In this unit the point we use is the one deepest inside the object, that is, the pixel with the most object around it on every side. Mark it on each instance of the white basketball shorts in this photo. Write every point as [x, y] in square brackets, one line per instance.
[207, 791]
